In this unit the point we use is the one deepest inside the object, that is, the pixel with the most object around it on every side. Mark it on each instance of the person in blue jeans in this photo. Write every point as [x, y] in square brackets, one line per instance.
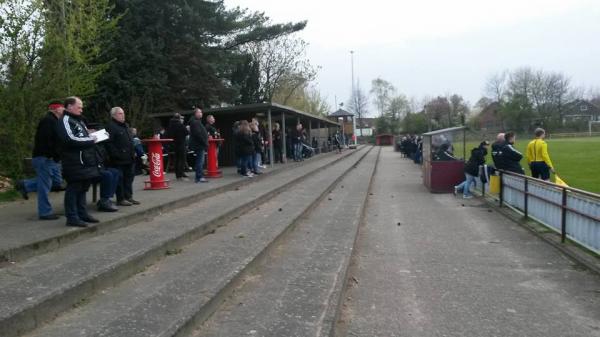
[245, 148]
[297, 138]
[45, 162]
[198, 144]
[109, 179]
[472, 169]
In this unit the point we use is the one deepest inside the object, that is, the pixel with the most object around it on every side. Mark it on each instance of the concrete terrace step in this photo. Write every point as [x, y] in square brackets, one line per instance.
[24, 236]
[44, 286]
[297, 291]
[186, 287]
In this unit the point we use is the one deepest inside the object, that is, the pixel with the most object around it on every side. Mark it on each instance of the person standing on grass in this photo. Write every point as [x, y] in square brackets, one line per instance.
[45, 161]
[509, 158]
[538, 158]
[472, 169]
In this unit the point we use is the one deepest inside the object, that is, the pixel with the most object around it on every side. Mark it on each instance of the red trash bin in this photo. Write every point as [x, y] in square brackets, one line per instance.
[212, 162]
[155, 158]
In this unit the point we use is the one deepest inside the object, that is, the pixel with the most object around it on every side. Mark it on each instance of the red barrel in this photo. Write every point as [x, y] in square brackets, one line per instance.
[212, 162]
[155, 158]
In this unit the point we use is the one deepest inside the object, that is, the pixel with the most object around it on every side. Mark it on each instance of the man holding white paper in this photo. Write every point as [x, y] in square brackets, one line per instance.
[81, 162]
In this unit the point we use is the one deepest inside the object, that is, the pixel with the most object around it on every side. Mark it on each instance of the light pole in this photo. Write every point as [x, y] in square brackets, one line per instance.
[353, 97]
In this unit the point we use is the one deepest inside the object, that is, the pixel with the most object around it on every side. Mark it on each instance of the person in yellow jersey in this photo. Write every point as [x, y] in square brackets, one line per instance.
[537, 156]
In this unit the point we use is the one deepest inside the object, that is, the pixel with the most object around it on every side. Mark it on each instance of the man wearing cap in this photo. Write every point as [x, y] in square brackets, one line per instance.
[45, 161]
[538, 157]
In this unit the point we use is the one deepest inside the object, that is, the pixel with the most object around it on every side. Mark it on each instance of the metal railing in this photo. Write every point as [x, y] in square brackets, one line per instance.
[571, 212]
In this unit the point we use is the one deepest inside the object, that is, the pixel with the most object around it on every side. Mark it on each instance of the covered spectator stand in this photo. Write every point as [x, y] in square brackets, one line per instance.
[443, 159]
[155, 158]
[212, 162]
[384, 139]
[317, 128]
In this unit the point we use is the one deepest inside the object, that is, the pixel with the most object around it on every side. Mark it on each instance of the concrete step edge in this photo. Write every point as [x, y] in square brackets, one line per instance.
[336, 329]
[335, 297]
[26, 251]
[36, 313]
[186, 325]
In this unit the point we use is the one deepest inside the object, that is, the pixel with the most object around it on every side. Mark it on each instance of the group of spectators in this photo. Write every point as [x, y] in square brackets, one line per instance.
[250, 146]
[506, 157]
[66, 147]
[411, 146]
[193, 137]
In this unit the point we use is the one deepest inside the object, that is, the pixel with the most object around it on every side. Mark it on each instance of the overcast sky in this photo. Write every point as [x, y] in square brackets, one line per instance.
[434, 47]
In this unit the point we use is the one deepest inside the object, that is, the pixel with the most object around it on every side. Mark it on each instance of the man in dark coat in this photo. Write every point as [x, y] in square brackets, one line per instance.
[45, 161]
[121, 155]
[81, 162]
[178, 132]
[277, 143]
[509, 159]
[497, 149]
[198, 144]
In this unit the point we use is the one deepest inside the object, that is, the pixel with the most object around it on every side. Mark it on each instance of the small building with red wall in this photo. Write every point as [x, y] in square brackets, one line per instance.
[384, 139]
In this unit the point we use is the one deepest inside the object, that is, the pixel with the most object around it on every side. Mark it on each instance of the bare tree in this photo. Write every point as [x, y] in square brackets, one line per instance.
[399, 107]
[495, 86]
[358, 105]
[281, 60]
[382, 91]
[459, 109]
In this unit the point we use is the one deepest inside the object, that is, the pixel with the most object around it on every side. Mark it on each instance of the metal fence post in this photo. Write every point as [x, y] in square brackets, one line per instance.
[501, 195]
[482, 172]
[563, 220]
[526, 199]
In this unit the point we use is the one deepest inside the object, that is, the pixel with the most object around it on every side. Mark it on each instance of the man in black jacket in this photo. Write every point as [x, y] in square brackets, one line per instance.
[122, 155]
[198, 144]
[45, 161]
[509, 158]
[81, 162]
[178, 132]
[497, 150]
[472, 169]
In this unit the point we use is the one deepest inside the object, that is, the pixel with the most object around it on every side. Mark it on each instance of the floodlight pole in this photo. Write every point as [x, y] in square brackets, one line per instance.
[353, 93]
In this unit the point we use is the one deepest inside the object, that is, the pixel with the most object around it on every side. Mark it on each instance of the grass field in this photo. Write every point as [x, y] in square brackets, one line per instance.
[576, 160]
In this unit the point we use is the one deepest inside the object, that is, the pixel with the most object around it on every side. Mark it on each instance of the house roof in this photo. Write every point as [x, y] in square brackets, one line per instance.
[341, 113]
[580, 107]
[365, 123]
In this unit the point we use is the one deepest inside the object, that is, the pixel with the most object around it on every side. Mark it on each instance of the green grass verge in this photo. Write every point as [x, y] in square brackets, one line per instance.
[577, 160]
[10, 195]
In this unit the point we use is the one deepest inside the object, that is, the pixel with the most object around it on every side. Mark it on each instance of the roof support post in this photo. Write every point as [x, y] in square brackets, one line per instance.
[283, 138]
[270, 137]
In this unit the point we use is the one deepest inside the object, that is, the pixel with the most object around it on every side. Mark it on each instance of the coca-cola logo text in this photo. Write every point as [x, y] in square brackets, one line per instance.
[156, 165]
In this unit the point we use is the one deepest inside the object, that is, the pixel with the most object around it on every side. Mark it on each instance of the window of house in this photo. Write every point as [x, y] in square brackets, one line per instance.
[583, 107]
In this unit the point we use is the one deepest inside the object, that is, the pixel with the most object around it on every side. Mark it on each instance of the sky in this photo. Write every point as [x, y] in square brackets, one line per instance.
[436, 47]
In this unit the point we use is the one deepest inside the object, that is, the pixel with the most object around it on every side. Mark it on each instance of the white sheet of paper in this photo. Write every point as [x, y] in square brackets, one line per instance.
[101, 135]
